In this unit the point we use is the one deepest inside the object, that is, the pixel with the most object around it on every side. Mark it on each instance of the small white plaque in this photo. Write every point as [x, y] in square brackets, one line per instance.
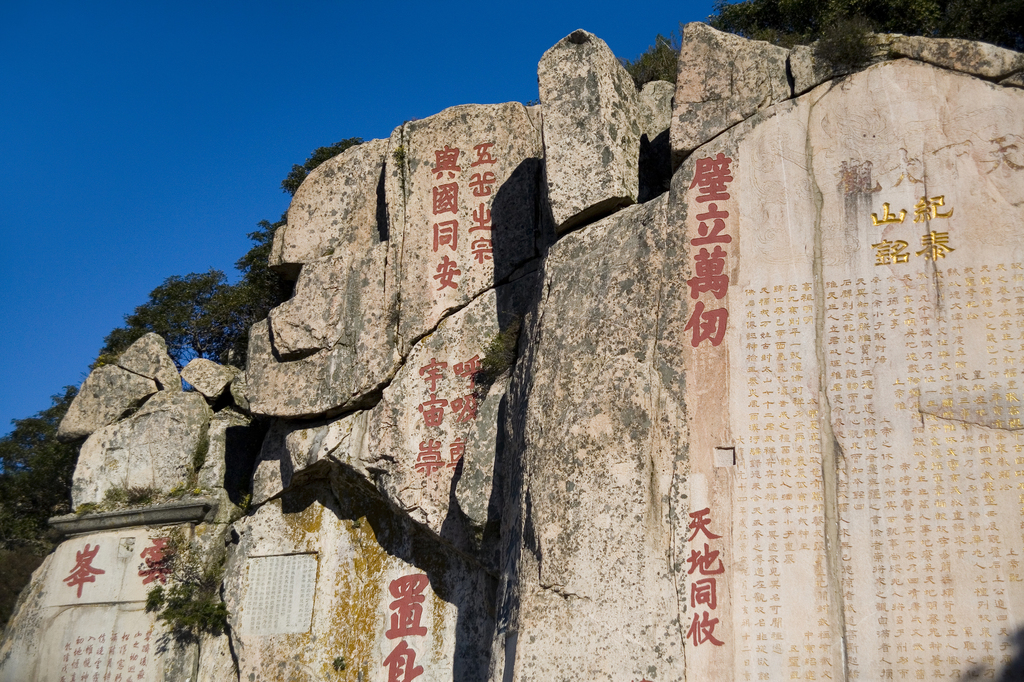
[279, 599]
[725, 457]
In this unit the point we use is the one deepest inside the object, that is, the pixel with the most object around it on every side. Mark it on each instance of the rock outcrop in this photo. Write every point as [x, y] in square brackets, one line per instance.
[756, 417]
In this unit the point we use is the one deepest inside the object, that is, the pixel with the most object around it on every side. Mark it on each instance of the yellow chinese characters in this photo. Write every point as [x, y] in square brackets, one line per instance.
[935, 245]
[890, 252]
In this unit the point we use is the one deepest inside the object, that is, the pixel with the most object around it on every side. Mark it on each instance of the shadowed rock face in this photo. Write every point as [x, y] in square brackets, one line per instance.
[104, 397]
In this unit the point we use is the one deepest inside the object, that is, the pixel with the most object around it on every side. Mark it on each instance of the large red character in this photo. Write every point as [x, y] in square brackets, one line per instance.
[711, 176]
[407, 607]
[83, 572]
[401, 664]
[707, 325]
[702, 631]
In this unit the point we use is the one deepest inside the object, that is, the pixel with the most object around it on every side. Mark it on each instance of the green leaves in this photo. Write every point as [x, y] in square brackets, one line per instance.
[298, 173]
[658, 63]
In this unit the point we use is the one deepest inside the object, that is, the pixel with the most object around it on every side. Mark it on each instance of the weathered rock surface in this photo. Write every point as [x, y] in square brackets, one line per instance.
[313, 579]
[464, 207]
[436, 435]
[148, 357]
[294, 449]
[152, 448]
[339, 207]
[723, 79]
[106, 394]
[90, 592]
[655, 148]
[966, 56]
[592, 130]
[208, 377]
[592, 584]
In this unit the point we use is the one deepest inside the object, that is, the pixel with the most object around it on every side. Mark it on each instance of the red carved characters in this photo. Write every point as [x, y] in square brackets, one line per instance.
[157, 558]
[711, 177]
[84, 572]
[704, 562]
[429, 459]
[445, 200]
[405, 622]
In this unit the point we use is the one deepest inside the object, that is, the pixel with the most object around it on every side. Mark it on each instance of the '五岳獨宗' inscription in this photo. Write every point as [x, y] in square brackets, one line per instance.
[280, 595]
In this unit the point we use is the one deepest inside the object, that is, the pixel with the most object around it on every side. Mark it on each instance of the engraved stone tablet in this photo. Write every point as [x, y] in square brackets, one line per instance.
[280, 595]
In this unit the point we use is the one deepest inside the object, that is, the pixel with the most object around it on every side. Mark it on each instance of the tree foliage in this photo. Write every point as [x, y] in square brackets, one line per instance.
[793, 22]
[298, 173]
[35, 476]
[658, 63]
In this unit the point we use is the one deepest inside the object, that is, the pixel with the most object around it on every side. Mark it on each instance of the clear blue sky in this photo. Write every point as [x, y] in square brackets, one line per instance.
[140, 140]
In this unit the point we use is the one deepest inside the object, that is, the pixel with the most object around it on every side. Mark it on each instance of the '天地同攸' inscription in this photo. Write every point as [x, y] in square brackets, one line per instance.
[280, 595]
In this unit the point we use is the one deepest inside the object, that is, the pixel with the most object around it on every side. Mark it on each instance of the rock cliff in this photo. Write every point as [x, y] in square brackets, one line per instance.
[719, 384]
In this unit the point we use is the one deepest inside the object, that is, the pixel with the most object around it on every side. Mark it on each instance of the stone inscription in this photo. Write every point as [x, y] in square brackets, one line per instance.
[461, 409]
[114, 657]
[712, 178]
[445, 208]
[280, 594]
[705, 574]
[406, 614]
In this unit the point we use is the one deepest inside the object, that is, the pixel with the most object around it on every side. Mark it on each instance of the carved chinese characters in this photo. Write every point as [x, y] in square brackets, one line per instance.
[118, 655]
[405, 620]
[712, 179]
[873, 387]
[279, 598]
[462, 198]
[705, 575]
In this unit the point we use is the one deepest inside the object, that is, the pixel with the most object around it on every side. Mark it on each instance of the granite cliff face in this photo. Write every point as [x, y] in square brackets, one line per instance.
[761, 421]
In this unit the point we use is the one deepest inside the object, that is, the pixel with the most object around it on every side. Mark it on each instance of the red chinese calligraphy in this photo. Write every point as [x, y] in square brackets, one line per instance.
[446, 234]
[483, 249]
[446, 161]
[707, 325]
[483, 154]
[709, 275]
[704, 591]
[464, 408]
[711, 177]
[702, 561]
[702, 631]
[481, 183]
[700, 522]
[433, 410]
[712, 235]
[446, 198]
[83, 572]
[468, 369]
[408, 606]
[429, 460]
[157, 560]
[431, 372]
[456, 450]
[401, 664]
[481, 219]
[447, 271]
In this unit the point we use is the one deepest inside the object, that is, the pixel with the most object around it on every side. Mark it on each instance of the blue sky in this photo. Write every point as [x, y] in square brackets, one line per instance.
[142, 140]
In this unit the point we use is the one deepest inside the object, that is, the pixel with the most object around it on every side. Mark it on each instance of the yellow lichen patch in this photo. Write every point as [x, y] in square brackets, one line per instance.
[358, 618]
[438, 609]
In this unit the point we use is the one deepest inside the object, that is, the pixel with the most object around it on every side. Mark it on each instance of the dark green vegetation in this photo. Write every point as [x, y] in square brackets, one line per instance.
[191, 606]
[319, 155]
[658, 63]
[797, 22]
[499, 353]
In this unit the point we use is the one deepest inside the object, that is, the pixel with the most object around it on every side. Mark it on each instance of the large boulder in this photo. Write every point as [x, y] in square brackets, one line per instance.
[723, 79]
[148, 357]
[208, 377]
[154, 448]
[338, 207]
[591, 130]
[106, 394]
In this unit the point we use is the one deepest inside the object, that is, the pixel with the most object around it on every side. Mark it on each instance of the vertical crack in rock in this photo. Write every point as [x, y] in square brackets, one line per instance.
[831, 453]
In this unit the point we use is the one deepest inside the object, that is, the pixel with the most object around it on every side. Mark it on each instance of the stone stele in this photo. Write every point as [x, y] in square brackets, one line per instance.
[84, 613]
